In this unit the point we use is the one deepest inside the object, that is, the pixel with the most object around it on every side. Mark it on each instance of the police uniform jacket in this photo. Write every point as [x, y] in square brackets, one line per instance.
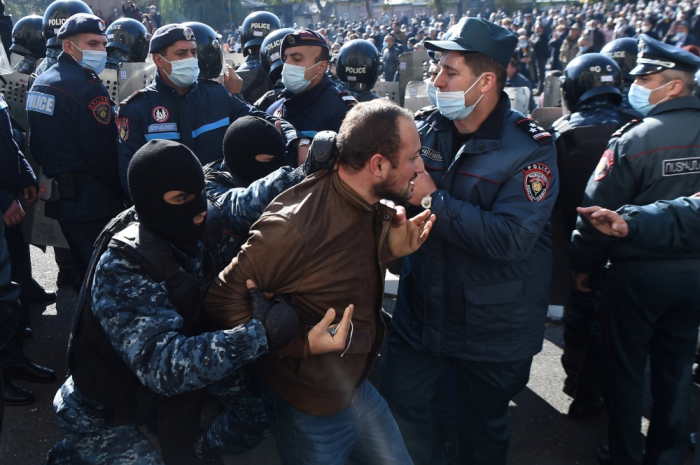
[72, 131]
[657, 158]
[15, 172]
[321, 108]
[198, 119]
[478, 289]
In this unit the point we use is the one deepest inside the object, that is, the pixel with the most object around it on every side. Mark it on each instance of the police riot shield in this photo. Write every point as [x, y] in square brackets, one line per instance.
[14, 87]
[133, 77]
[109, 80]
[519, 98]
[416, 96]
[388, 90]
[552, 92]
[234, 60]
[410, 69]
[545, 117]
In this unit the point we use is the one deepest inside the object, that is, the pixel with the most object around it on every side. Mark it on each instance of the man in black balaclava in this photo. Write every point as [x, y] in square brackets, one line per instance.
[141, 343]
[166, 183]
[253, 148]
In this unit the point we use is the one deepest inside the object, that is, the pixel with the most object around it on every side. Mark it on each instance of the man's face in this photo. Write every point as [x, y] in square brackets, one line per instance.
[455, 76]
[573, 34]
[306, 56]
[95, 42]
[654, 81]
[178, 51]
[397, 185]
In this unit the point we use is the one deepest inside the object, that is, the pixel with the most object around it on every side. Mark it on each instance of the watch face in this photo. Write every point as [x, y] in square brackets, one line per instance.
[426, 202]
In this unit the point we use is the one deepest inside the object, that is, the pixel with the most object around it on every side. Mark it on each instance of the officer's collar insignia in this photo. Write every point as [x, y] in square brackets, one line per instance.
[536, 181]
[189, 35]
[101, 25]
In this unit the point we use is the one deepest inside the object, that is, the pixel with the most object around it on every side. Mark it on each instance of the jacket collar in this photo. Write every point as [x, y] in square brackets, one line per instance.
[309, 95]
[161, 86]
[68, 58]
[678, 103]
[353, 199]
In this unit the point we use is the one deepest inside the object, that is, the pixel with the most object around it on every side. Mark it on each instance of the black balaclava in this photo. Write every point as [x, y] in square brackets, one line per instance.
[161, 166]
[248, 137]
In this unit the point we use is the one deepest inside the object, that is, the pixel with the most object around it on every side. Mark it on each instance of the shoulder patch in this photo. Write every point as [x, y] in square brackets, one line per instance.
[536, 181]
[132, 97]
[123, 126]
[606, 162]
[348, 98]
[624, 128]
[538, 133]
[41, 103]
[101, 109]
[425, 112]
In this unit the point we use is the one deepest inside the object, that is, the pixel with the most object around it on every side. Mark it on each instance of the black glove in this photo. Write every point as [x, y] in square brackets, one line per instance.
[278, 317]
[323, 153]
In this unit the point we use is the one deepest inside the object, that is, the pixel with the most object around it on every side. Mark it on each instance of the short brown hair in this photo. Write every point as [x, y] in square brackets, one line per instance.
[370, 128]
[479, 64]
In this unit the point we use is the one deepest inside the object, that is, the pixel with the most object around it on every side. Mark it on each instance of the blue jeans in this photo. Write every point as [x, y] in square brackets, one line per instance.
[365, 433]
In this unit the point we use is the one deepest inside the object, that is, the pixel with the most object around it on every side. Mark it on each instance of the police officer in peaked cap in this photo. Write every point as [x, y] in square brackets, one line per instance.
[472, 297]
[652, 307]
[177, 106]
[310, 101]
[72, 136]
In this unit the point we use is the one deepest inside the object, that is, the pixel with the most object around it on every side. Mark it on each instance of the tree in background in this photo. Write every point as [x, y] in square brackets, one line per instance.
[211, 12]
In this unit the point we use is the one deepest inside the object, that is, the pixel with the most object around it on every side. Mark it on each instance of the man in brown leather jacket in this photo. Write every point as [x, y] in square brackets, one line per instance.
[327, 243]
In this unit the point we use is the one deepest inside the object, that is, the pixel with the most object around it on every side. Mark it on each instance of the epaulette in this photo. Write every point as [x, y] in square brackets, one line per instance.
[538, 133]
[425, 112]
[624, 128]
[348, 98]
[132, 97]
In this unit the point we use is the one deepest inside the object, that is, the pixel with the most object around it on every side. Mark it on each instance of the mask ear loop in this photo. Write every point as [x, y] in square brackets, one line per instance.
[352, 328]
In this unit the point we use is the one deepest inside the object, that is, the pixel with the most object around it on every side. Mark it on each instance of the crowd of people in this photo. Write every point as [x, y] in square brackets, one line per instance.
[229, 231]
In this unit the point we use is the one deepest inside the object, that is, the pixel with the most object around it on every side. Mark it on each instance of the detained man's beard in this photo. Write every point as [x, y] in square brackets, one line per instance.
[388, 190]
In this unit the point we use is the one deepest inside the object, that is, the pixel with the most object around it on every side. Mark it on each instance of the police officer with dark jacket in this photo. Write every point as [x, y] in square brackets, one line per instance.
[477, 292]
[28, 42]
[515, 79]
[272, 63]
[590, 88]
[358, 68]
[127, 42]
[310, 101]
[9, 304]
[177, 106]
[652, 305]
[55, 15]
[73, 136]
[256, 26]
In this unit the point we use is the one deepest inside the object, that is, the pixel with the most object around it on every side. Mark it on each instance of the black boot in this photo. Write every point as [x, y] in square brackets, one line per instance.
[15, 395]
[16, 365]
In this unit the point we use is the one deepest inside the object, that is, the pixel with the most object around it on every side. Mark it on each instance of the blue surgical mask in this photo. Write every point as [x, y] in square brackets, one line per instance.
[93, 59]
[293, 77]
[452, 106]
[639, 98]
[583, 48]
[523, 44]
[432, 92]
[185, 72]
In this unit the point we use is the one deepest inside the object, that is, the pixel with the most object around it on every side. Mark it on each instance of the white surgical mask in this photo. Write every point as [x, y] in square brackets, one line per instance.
[185, 72]
[452, 106]
[93, 59]
[432, 92]
[293, 77]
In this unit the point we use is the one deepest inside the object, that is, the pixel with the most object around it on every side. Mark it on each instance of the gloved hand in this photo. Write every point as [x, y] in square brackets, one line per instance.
[323, 153]
[279, 319]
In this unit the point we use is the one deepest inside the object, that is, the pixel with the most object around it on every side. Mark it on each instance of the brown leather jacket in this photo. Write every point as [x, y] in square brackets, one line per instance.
[325, 247]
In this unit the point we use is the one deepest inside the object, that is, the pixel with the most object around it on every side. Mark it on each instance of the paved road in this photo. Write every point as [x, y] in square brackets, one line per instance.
[542, 434]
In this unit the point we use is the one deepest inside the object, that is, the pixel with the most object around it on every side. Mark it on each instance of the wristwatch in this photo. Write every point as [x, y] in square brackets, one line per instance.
[304, 141]
[427, 201]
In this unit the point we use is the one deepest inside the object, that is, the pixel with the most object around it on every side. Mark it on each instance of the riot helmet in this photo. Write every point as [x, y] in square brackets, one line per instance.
[624, 52]
[210, 54]
[256, 26]
[127, 41]
[590, 77]
[270, 56]
[358, 65]
[27, 39]
[56, 14]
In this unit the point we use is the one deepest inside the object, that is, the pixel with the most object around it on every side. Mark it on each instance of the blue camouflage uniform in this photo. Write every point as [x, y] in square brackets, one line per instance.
[145, 330]
[198, 119]
[73, 137]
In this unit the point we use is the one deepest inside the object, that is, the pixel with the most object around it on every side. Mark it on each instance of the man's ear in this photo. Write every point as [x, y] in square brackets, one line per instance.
[378, 165]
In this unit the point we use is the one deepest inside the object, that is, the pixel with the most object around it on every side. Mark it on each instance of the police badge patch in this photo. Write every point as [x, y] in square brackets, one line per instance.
[161, 114]
[101, 110]
[189, 35]
[123, 127]
[536, 181]
[606, 162]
